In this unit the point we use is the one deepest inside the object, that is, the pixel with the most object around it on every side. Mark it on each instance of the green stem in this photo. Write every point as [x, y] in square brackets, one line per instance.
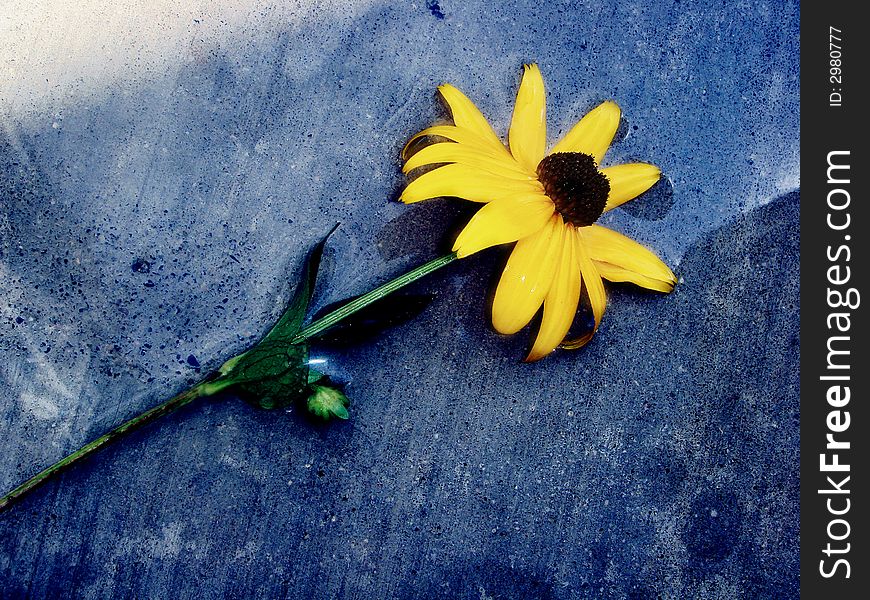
[217, 383]
[171, 405]
[376, 294]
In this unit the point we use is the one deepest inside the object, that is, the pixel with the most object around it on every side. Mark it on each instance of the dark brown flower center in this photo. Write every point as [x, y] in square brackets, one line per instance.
[575, 185]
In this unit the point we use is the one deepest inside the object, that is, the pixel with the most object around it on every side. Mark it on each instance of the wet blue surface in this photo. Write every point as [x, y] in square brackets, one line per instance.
[153, 229]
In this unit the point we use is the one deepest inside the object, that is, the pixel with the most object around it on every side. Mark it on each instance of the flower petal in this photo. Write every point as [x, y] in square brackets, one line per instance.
[619, 274]
[629, 181]
[528, 132]
[504, 220]
[594, 290]
[451, 152]
[606, 245]
[560, 305]
[456, 134]
[466, 115]
[594, 133]
[527, 277]
[465, 182]
[591, 278]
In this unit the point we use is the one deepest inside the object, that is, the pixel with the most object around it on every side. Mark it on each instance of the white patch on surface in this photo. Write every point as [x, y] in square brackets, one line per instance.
[49, 386]
[54, 49]
[39, 405]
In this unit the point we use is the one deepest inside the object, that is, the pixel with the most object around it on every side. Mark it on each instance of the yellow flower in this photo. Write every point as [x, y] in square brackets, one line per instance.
[547, 204]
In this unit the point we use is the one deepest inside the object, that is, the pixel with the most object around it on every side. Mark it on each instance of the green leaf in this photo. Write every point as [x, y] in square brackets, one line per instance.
[274, 373]
[291, 321]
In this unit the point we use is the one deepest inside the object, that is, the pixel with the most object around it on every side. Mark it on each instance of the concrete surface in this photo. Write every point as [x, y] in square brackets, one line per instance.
[161, 174]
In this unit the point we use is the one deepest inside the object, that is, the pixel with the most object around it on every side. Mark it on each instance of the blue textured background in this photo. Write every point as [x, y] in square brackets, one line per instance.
[159, 215]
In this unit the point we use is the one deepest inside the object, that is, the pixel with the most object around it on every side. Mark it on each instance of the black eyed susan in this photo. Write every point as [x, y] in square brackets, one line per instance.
[546, 203]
